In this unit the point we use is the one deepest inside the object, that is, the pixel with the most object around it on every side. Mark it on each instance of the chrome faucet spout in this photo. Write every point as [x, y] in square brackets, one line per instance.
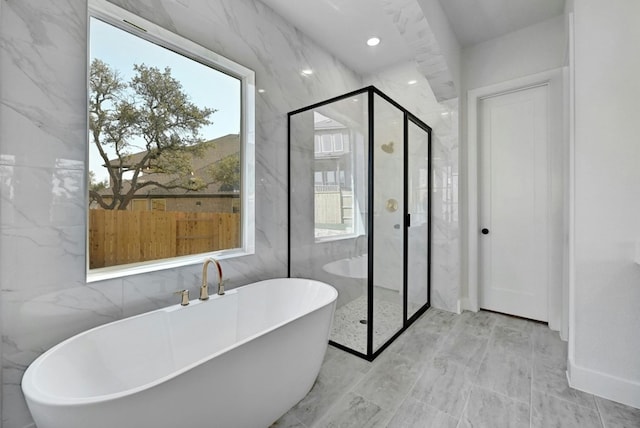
[204, 288]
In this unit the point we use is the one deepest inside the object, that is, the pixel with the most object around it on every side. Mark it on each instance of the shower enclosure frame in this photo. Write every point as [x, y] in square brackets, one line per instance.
[408, 118]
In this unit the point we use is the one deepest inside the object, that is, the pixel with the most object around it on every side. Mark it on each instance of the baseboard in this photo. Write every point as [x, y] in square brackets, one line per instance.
[604, 385]
[464, 304]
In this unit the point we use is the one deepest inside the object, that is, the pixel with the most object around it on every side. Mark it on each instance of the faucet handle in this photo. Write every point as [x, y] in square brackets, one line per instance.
[184, 294]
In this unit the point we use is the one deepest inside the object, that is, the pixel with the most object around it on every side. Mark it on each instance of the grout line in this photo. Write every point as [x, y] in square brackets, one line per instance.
[533, 364]
[599, 413]
[464, 408]
[551, 394]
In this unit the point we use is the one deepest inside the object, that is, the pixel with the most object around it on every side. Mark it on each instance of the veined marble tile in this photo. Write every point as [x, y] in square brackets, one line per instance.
[506, 373]
[155, 290]
[548, 345]
[35, 320]
[414, 413]
[413, 26]
[550, 377]
[287, 421]
[548, 411]
[416, 343]
[515, 323]
[43, 107]
[444, 385]
[355, 411]
[42, 257]
[487, 409]
[338, 374]
[479, 323]
[510, 340]
[388, 382]
[616, 415]
[439, 321]
[465, 349]
[42, 197]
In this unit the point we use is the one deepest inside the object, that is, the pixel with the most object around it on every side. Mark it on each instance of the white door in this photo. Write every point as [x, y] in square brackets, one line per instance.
[513, 199]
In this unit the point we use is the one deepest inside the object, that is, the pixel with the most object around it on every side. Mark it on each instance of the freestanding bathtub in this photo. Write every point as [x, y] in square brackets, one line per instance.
[238, 360]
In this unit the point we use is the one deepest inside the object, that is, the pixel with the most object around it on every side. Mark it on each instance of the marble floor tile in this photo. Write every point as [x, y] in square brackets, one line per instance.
[288, 420]
[464, 348]
[438, 321]
[548, 411]
[506, 373]
[443, 373]
[548, 345]
[414, 413]
[515, 323]
[550, 378]
[417, 344]
[389, 381]
[616, 415]
[337, 376]
[506, 339]
[444, 385]
[476, 323]
[355, 411]
[346, 359]
[491, 410]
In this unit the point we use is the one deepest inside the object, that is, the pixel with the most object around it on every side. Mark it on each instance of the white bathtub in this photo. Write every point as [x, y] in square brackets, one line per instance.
[238, 360]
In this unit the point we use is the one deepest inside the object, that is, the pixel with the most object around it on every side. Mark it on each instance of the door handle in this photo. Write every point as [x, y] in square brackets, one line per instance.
[485, 231]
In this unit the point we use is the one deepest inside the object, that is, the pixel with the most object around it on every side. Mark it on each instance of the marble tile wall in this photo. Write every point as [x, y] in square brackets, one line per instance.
[409, 19]
[45, 297]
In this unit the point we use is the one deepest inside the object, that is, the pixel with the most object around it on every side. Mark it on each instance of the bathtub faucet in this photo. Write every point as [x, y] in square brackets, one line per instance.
[204, 288]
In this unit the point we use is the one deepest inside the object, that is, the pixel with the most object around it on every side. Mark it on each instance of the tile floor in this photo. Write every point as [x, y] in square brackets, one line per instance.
[447, 370]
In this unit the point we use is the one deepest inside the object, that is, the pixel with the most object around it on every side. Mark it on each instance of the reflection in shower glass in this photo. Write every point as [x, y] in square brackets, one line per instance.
[348, 209]
[418, 233]
[388, 220]
[333, 171]
[328, 205]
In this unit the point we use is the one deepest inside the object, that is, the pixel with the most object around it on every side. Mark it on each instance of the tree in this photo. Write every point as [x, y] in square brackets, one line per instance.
[227, 172]
[94, 185]
[152, 115]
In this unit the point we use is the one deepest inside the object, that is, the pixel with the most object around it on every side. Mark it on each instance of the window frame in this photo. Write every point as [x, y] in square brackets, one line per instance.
[138, 26]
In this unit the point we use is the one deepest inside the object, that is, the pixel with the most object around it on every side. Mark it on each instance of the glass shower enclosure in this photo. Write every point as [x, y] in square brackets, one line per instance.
[359, 213]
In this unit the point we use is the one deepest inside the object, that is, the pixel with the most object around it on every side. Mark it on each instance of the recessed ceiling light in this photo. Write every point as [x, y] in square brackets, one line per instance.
[261, 91]
[307, 71]
[412, 82]
[373, 41]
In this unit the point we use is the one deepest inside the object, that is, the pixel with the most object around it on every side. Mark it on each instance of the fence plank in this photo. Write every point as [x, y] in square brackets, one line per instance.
[120, 237]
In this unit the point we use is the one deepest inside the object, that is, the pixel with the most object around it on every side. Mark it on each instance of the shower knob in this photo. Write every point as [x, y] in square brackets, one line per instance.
[485, 231]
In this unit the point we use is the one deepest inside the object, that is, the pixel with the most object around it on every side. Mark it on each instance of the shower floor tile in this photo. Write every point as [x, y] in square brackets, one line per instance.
[349, 329]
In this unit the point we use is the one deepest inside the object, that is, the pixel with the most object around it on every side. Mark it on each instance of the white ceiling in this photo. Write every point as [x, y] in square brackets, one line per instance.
[476, 21]
[343, 26]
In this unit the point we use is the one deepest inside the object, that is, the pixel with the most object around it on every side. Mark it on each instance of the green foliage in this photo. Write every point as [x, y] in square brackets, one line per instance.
[227, 172]
[96, 186]
[150, 115]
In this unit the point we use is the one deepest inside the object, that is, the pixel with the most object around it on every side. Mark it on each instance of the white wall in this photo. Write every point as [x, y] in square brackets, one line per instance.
[43, 63]
[522, 53]
[605, 333]
[528, 51]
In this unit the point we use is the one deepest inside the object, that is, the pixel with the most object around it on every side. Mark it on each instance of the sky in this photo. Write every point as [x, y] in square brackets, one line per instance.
[205, 86]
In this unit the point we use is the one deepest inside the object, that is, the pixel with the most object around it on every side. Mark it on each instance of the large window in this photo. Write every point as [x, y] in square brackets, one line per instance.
[170, 174]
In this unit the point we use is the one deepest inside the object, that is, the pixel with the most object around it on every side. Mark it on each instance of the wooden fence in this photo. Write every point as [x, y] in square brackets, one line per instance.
[121, 237]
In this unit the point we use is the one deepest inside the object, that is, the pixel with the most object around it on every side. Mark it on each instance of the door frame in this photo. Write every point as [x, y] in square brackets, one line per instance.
[554, 80]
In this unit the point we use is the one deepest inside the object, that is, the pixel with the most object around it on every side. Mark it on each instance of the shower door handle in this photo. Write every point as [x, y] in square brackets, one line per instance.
[408, 220]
